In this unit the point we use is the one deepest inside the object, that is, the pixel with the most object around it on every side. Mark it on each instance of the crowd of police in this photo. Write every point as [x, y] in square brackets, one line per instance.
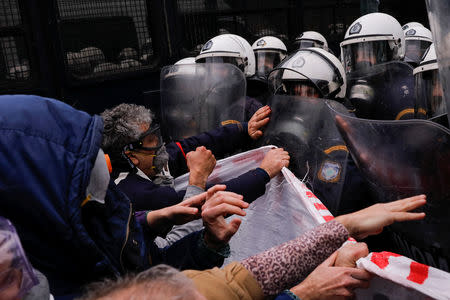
[94, 198]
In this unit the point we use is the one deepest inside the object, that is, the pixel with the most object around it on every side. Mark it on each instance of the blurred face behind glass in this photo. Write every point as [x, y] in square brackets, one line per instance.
[301, 89]
[437, 101]
[415, 49]
[363, 55]
[266, 60]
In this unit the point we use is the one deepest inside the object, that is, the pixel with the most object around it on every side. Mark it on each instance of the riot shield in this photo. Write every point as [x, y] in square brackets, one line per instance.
[439, 14]
[200, 97]
[382, 92]
[305, 128]
[258, 88]
[402, 159]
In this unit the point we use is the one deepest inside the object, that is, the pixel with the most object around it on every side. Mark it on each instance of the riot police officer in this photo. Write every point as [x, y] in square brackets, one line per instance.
[380, 86]
[417, 39]
[309, 39]
[269, 52]
[429, 94]
[235, 50]
[302, 124]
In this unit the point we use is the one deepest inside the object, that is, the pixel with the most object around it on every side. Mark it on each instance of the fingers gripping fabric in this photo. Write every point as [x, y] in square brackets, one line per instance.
[284, 266]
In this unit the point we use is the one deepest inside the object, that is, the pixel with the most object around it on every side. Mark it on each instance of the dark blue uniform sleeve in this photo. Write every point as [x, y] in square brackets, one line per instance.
[186, 253]
[145, 195]
[251, 185]
[221, 141]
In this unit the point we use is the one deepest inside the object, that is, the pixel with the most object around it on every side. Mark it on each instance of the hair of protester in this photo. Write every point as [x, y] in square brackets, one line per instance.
[123, 125]
[159, 282]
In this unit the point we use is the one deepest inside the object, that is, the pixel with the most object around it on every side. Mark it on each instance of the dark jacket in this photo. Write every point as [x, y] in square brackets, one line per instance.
[47, 151]
[224, 140]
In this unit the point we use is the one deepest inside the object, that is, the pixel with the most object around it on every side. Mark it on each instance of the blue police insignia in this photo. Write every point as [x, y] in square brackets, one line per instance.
[261, 43]
[355, 29]
[410, 32]
[207, 46]
[300, 62]
[330, 171]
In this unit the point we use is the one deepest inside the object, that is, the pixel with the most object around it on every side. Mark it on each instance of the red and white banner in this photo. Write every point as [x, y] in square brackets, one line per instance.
[289, 208]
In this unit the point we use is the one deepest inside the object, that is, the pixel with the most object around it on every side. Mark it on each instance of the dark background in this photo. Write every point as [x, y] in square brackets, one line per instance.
[35, 37]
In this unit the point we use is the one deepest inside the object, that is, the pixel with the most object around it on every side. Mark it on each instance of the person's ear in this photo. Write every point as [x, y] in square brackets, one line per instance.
[132, 157]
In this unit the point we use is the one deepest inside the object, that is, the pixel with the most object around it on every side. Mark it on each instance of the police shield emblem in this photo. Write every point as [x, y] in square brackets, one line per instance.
[355, 28]
[410, 32]
[330, 171]
[261, 43]
[207, 46]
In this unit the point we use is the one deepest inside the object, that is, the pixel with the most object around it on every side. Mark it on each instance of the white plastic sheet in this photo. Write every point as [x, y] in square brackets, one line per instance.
[289, 208]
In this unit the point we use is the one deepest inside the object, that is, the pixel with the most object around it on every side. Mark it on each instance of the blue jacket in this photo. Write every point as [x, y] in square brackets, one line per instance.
[224, 140]
[47, 151]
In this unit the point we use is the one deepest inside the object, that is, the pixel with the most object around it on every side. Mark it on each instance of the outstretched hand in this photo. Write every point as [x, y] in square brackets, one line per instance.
[329, 282]
[372, 220]
[218, 205]
[161, 220]
[259, 119]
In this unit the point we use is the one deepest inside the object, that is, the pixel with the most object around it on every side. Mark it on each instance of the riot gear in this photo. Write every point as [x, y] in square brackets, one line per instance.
[310, 39]
[200, 97]
[438, 14]
[309, 72]
[379, 85]
[231, 49]
[372, 39]
[411, 24]
[269, 52]
[429, 93]
[417, 40]
[305, 128]
[186, 61]
[402, 159]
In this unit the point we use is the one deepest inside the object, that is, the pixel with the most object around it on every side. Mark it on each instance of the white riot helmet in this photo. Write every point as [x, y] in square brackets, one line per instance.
[310, 39]
[411, 24]
[186, 61]
[310, 72]
[417, 41]
[269, 52]
[229, 48]
[429, 92]
[372, 39]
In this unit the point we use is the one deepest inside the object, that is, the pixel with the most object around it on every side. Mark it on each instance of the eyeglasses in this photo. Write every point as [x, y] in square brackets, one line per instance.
[139, 144]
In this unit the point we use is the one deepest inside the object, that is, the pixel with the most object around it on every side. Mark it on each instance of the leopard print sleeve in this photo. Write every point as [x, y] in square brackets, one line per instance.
[284, 266]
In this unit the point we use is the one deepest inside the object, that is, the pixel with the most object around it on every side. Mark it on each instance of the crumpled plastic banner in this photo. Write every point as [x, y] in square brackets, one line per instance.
[288, 209]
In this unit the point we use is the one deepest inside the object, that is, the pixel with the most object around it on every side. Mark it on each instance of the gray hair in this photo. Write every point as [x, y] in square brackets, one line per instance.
[159, 282]
[122, 125]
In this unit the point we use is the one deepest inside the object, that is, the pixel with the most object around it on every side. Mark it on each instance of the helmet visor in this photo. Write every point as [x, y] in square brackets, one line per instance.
[266, 60]
[415, 50]
[298, 88]
[302, 44]
[308, 66]
[237, 61]
[429, 94]
[360, 56]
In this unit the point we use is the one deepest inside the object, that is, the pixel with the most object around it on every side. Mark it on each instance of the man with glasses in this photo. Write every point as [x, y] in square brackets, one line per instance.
[143, 166]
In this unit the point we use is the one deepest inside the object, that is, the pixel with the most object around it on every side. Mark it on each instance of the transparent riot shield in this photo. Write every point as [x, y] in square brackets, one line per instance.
[382, 92]
[439, 14]
[402, 159]
[305, 128]
[200, 97]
